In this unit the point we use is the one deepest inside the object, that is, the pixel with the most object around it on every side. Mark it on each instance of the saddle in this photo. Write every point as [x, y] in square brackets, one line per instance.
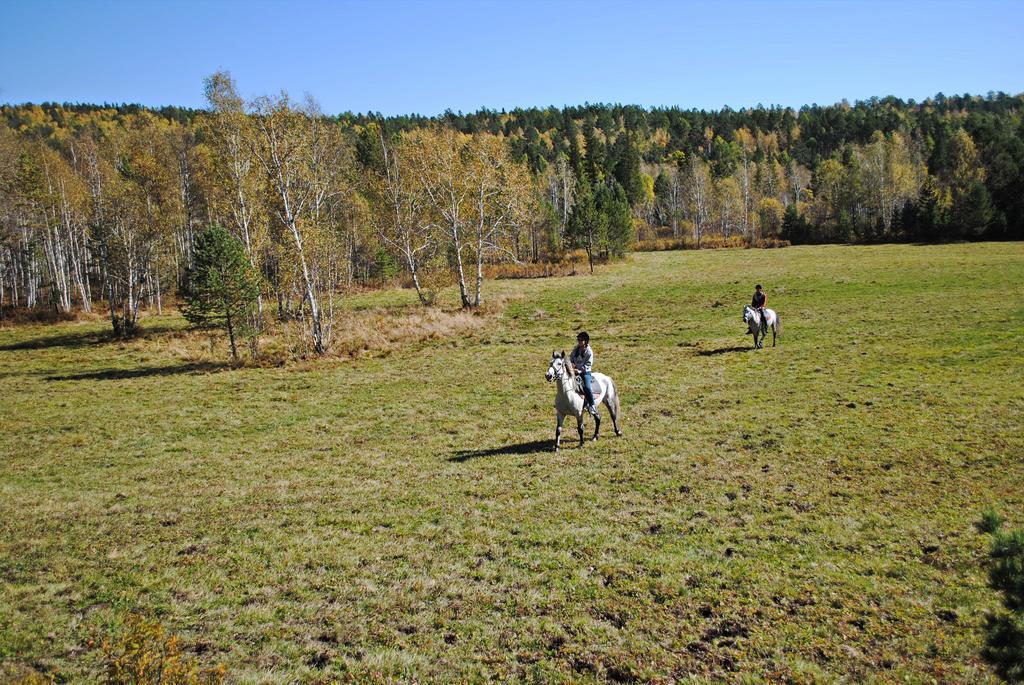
[594, 385]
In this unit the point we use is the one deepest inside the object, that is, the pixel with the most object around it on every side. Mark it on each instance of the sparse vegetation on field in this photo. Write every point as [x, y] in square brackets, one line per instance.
[804, 513]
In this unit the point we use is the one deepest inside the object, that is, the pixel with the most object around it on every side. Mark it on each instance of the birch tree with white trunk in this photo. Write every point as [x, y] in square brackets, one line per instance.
[438, 158]
[283, 146]
[698, 191]
[402, 221]
[233, 136]
[501, 192]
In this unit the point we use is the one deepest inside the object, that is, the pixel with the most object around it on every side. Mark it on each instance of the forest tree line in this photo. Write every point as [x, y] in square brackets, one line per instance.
[103, 204]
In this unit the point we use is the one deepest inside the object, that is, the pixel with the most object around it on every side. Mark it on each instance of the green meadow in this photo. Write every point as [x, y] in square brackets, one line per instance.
[802, 513]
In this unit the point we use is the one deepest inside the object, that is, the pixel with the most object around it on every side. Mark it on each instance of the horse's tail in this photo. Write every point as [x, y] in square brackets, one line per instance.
[778, 324]
[618, 408]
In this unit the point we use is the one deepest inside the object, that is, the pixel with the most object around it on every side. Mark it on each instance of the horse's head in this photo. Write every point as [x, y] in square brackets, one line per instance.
[557, 366]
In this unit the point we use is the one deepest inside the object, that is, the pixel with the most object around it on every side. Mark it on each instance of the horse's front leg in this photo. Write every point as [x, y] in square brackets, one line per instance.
[597, 425]
[558, 431]
[579, 428]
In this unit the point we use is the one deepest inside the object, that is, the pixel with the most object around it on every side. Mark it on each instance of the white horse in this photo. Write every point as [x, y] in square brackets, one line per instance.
[752, 318]
[568, 401]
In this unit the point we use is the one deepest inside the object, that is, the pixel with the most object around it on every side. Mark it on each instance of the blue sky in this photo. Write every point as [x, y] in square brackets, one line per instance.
[425, 57]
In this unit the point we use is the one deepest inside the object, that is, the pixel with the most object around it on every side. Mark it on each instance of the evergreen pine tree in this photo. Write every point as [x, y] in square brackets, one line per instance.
[795, 227]
[613, 204]
[571, 133]
[627, 169]
[587, 226]
[972, 211]
[221, 287]
[593, 164]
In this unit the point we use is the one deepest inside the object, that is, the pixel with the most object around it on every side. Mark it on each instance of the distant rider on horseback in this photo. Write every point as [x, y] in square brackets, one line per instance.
[582, 359]
[759, 302]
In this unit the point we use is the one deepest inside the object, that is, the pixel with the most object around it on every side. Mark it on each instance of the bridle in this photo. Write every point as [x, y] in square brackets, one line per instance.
[561, 374]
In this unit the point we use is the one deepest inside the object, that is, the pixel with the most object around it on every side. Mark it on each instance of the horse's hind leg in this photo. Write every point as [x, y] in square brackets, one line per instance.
[558, 431]
[612, 400]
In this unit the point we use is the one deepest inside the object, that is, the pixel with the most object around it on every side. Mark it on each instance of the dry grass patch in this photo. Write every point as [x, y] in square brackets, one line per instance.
[381, 330]
[569, 264]
[353, 333]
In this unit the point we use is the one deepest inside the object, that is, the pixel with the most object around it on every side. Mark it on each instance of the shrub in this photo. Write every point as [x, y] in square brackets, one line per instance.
[1004, 646]
[528, 270]
[146, 654]
[769, 243]
[990, 521]
[1004, 639]
[707, 242]
[568, 264]
[660, 244]
[34, 679]
[714, 242]
[1007, 571]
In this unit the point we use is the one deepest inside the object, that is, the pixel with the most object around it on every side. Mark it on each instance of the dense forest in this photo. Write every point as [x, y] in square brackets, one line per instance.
[104, 203]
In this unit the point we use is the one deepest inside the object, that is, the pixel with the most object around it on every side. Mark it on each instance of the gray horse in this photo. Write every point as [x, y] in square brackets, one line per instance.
[752, 318]
[568, 401]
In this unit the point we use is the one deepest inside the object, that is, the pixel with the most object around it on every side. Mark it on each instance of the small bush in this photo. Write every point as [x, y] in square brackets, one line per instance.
[707, 242]
[660, 244]
[716, 242]
[770, 243]
[20, 315]
[990, 521]
[1004, 646]
[146, 654]
[34, 679]
[1004, 639]
[568, 264]
[1007, 571]
[528, 270]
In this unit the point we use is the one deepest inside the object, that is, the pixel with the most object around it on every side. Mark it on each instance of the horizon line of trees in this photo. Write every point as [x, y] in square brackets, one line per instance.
[104, 203]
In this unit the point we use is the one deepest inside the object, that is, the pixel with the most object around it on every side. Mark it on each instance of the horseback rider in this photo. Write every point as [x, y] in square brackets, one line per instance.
[582, 359]
[759, 302]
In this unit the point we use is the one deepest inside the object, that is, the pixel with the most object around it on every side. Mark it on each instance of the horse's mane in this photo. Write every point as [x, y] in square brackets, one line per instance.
[569, 368]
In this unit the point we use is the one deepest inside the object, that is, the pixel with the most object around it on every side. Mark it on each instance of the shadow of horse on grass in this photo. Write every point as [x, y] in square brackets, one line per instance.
[532, 447]
[725, 350]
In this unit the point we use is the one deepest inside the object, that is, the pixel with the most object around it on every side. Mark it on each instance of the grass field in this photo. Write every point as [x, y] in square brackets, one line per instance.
[800, 513]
